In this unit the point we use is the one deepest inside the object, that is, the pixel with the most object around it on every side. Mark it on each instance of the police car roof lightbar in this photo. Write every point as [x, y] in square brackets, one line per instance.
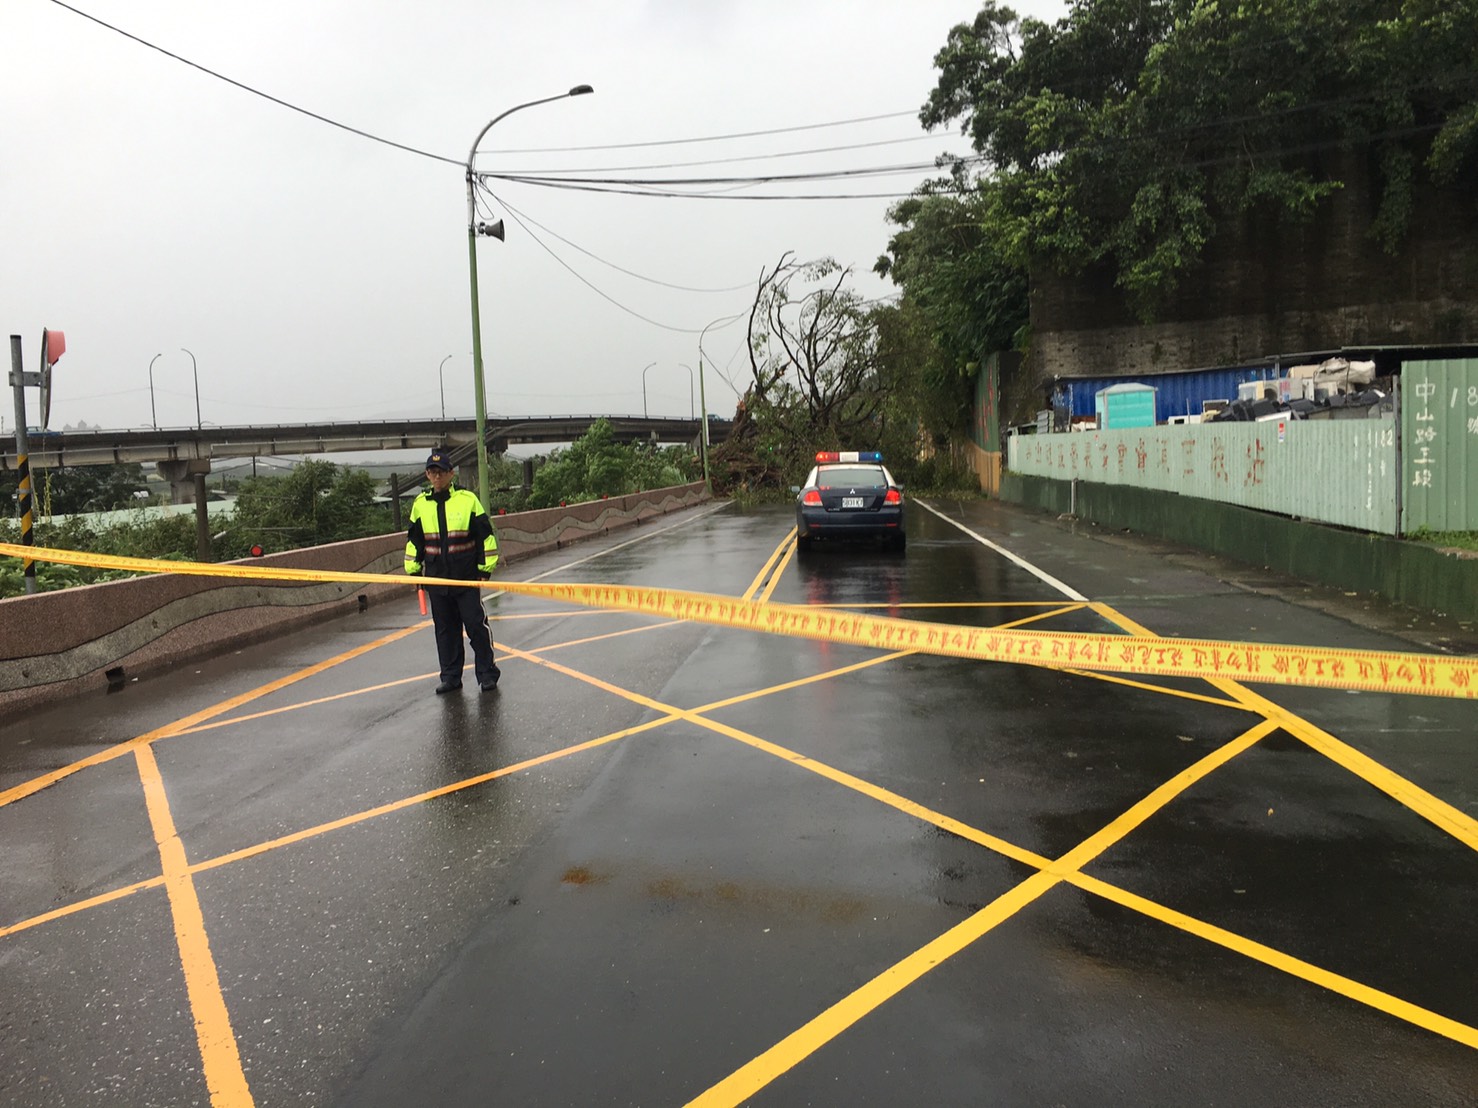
[848, 456]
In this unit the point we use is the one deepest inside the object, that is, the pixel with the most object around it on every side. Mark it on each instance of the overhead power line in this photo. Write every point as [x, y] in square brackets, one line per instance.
[576, 186]
[256, 91]
[707, 138]
[580, 277]
[730, 161]
[524, 217]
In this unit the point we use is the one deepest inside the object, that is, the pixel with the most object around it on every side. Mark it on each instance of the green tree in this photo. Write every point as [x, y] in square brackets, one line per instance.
[1128, 132]
[815, 379]
[596, 465]
[317, 502]
[70, 490]
[963, 298]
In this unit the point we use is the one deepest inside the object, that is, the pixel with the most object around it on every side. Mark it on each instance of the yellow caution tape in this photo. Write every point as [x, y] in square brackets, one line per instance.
[1315, 666]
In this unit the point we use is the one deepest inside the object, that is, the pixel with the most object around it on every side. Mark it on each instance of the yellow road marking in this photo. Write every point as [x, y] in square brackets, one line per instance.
[408, 680]
[765, 569]
[1220, 702]
[421, 798]
[1314, 974]
[800, 1044]
[218, 1054]
[129, 890]
[1054, 871]
[81, 906]
[779, 572]
[847, 606]
[1438, 812]
[806, 1040]
[561, 613]
[36, 784]
[1297, 967]
[799, 682]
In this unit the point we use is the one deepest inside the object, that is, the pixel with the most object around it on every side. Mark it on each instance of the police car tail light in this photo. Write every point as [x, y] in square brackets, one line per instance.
[892, 496]
[811, 497]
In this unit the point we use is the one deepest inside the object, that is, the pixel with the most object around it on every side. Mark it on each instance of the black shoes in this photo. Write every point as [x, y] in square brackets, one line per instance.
[452, 686]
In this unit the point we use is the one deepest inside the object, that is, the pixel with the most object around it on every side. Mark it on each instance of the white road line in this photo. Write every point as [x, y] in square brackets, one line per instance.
[619, 546]
[1072, 594]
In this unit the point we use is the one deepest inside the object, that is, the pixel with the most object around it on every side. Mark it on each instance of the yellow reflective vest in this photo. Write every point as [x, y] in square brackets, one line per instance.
[450, 536]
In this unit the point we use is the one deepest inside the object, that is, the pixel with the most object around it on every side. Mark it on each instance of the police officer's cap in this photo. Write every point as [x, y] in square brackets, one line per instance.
[438, 460]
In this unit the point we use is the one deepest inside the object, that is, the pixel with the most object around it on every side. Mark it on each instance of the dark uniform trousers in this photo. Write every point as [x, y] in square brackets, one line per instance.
[452, 611]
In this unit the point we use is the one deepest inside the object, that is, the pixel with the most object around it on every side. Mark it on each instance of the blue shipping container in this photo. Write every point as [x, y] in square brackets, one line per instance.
[1177, 394]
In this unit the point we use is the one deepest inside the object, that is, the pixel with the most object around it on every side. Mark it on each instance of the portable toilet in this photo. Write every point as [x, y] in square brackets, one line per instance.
[1127, 405]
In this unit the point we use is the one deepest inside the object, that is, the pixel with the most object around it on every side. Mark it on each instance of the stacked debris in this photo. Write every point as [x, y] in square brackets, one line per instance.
[1334, 389]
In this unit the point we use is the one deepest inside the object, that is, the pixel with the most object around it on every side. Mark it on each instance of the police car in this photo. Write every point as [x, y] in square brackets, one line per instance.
[849, 495]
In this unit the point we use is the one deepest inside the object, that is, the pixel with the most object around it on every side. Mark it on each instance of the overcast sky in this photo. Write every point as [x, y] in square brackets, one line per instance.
[146, 206]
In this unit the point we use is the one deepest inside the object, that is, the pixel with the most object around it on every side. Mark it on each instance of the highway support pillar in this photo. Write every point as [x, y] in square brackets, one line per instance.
[186, 477]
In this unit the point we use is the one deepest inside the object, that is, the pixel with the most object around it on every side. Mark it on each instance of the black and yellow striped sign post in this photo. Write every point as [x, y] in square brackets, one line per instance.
[22, 460]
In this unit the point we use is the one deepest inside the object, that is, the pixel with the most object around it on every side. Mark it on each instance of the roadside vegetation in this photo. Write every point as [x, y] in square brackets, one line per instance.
[1447, 540]
[597, 466]
[314, 503]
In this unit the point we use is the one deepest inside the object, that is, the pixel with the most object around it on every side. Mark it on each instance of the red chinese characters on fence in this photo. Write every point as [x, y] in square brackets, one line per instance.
[1255, 463]
[1219, 462]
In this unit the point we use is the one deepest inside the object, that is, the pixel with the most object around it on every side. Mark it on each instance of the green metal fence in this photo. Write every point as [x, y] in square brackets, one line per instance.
[1439, 445]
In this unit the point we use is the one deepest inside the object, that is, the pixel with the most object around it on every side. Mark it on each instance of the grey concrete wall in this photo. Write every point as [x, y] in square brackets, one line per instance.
[62, 643]
[1414, 574]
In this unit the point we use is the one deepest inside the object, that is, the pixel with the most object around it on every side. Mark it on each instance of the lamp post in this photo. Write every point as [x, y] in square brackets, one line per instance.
[195, 369]
[644, 391]
[442, 379]
[153, 415]
[691, 413]
[703, 399]
[496, 230]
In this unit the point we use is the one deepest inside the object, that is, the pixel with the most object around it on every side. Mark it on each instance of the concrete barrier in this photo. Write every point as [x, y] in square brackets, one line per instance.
[58, 644]
[1411, 573]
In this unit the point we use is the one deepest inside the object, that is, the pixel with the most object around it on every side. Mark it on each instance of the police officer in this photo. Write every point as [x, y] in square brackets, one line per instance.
[451, 536]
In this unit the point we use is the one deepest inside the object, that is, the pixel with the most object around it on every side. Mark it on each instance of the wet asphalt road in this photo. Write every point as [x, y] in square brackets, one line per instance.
[823, 887]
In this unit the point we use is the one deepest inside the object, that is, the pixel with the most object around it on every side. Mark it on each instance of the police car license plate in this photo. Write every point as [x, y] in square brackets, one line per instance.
[851, 502]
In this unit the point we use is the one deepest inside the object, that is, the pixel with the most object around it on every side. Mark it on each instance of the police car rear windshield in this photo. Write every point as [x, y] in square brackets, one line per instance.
[851, 476]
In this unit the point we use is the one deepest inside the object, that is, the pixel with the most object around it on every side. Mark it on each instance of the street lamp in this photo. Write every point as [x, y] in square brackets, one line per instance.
[690, 388]
[153, 415]
[442, 379]
[195, 369]
[703, 399]
[644, 391]
[496, 230]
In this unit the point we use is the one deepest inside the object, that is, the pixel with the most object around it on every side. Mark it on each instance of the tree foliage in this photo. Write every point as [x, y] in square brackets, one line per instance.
[69, 490]
[814, 375]
[829, 371]
[963, 298]
[596, 465]
[317, 502]
[1128, 132]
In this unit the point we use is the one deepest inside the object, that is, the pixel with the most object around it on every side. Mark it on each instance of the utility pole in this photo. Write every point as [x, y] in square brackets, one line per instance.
[53, 346]
[22, 458]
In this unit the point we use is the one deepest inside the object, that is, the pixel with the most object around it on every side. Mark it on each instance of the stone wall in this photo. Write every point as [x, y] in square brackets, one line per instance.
[1269, 287]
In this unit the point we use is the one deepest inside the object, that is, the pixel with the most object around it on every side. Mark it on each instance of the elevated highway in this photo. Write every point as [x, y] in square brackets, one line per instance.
[202, 444]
